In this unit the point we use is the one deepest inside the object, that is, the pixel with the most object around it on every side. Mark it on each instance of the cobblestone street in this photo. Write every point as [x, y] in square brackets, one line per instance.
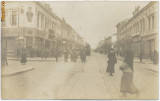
[60, 80]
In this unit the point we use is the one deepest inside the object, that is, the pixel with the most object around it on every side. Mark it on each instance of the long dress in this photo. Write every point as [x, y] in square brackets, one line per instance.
[127, 85]
[111, 62]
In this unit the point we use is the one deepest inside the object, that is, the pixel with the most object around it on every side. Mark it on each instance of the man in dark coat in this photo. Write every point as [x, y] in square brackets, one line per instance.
[155, 57]
[4, 57]
[111, 62]
[83, 55]
[66, 53]
[23, 56]
[72, 55]
[57, 54]
[141, 56]
[75, 55]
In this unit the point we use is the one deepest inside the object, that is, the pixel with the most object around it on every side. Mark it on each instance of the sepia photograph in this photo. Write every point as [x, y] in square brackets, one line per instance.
[80, 50]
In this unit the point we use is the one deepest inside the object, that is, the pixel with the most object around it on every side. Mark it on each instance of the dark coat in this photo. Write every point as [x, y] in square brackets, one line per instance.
[141, 56]
[83, 54]
[155, 57]
[66, 53]
[111, 62]
[56, 53]
[23, 57]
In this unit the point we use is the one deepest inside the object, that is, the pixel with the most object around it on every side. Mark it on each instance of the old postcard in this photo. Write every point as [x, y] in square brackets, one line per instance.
[80, 50]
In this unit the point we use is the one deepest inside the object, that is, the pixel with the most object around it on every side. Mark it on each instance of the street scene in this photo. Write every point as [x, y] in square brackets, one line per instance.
[73, 50]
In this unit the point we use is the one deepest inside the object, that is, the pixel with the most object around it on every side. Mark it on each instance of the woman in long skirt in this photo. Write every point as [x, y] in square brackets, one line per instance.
[127, 85]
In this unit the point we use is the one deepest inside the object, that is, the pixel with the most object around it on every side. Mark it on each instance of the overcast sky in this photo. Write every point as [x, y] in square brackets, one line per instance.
[95, 20]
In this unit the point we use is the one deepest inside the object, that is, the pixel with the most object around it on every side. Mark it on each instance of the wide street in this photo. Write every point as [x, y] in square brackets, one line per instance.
[68, 80]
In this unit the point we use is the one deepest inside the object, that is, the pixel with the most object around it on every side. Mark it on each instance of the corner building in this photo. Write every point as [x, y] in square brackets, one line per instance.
[33, 25]
[141, 31]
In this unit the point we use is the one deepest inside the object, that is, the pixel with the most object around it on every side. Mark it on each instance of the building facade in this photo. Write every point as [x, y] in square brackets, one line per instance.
[33, 25]
[140, 33]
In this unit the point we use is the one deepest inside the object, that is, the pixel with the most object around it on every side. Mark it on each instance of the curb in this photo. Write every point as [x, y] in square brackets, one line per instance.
[134, 61]
[153, 70]
[36, 60]
[15, 73]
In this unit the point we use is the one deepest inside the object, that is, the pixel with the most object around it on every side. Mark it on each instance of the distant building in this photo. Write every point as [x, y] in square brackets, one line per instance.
[140, 33]
[105, 45]
[33, 25]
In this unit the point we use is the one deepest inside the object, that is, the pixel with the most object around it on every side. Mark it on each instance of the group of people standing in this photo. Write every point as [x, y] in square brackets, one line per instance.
[127, 85]
[154, 57]
[74, 54]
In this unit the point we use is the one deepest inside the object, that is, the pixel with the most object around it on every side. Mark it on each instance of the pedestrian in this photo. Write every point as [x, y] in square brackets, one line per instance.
[141, 56]
[24, 56]
[151, 56]
[18, 53]
[46, 53]
[111, 62]
[155, 57]
[127, 85]
[66, 53]
[56, 54]
[83, 55]
[74, 55]
[71, 55]
[4, 58]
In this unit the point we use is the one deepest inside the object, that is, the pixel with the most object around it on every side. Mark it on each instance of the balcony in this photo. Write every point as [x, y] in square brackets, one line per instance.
[135, 34]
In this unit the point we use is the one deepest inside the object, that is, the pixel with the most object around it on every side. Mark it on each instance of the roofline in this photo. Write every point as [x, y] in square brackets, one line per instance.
[140, 12]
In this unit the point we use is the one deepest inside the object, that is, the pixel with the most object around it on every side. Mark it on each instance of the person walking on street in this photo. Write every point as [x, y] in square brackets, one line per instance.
[74, 55]
[18, 53]
[83, 55]
[42, 53]
[111, 62]
[24, 56]
[155, 57]
[141, 56]
[71, 55]
[127, 77]
[4, 58]
[46, 53]
[56, 55]
[66, 53]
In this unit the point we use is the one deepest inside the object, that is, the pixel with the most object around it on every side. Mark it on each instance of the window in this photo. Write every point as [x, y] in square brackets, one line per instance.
[149, 23]
[138, 27]
[37, 20]
[14, 18]
[153, 21]
[143, 25]
[42, 22]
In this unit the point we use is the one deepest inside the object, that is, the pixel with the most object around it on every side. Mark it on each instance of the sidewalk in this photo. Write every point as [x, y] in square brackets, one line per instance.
[136, 60]
[151, 66]
[14, 69]
[36, 59]
[6, 71]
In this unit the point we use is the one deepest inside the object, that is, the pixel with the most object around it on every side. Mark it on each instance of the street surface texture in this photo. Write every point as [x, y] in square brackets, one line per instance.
[68, 80]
